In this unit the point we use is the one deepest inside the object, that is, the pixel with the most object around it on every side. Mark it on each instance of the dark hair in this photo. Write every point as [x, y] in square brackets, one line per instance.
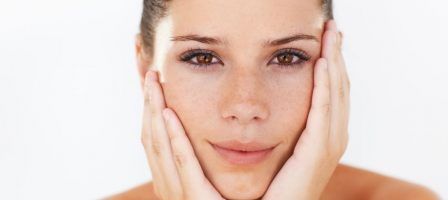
[155, 10]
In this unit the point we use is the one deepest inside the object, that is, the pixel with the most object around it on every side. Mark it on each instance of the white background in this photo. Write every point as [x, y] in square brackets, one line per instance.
[70, 102]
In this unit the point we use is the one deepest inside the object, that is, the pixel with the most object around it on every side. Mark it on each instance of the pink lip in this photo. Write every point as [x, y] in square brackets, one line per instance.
[243, 153]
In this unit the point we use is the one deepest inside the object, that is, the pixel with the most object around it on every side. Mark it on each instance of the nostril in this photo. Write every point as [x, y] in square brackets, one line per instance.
[245, 112]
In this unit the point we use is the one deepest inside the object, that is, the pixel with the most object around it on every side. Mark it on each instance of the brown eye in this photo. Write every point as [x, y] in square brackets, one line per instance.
[290, 57]
[200, 57]
[285, 59]
[204, 59]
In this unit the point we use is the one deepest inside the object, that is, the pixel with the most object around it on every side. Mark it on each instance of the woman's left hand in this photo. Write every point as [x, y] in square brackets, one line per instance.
[324, 140]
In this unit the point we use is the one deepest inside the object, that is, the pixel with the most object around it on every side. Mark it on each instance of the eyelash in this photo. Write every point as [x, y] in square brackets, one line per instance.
[192, 53]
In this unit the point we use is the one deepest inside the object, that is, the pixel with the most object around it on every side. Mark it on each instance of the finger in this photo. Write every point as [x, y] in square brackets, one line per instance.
[157, 103]
[330, 51]
[190, 172]
[336, 69]
[146, 138]
[339, 63]
[319, 115]
[299, 171]
[339, 86]
[160, 148]
[333, 50]
[345, 77]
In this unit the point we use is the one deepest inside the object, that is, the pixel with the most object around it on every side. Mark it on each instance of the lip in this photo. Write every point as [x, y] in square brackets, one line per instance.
[239, 153]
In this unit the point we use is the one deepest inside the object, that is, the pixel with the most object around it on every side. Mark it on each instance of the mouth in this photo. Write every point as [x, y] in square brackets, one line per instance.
[238, 153]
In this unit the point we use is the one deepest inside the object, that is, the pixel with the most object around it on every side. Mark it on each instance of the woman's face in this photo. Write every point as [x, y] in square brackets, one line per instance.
[245, 88]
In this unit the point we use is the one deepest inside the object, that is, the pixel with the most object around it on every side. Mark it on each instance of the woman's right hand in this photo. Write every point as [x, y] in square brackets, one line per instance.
[177, 174]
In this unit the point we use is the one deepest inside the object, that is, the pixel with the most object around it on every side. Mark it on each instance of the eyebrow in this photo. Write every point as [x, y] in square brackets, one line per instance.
[289, 39]
[217, 41]
[202, 39]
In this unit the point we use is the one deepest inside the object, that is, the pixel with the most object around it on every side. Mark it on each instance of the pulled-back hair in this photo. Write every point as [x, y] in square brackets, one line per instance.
[155, 10]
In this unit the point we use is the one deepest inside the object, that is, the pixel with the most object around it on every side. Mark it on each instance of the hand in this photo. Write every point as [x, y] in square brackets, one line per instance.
[324, 140]
[176, 172]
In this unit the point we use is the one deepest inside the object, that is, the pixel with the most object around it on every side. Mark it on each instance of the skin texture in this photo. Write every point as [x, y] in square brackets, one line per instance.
[362, 185]
[228, 97]
[245, 97]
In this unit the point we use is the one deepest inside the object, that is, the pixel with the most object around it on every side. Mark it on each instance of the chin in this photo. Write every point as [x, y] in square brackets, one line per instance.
[241, 190]
[244, 181]
[251, 184]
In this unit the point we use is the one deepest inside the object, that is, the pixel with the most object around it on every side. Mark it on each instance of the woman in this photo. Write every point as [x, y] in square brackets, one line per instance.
[248, 100]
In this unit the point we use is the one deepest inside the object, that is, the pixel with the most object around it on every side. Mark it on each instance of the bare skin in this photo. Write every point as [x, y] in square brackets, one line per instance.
[241, 92]
[363, 184]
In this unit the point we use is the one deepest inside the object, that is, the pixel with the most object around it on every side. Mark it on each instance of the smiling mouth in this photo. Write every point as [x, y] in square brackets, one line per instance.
[243, 154]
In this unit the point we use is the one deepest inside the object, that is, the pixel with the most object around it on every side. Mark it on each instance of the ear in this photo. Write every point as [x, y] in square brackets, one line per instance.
[143, 59]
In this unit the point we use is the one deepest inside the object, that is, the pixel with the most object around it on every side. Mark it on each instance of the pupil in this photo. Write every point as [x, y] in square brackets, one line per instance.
[286, 58]
[204, 58]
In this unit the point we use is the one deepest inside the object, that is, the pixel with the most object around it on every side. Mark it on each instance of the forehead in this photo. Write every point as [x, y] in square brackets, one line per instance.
[236, 19]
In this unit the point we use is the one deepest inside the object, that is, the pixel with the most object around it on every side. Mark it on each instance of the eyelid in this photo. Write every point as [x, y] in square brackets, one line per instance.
[303, 56]
[193, 52]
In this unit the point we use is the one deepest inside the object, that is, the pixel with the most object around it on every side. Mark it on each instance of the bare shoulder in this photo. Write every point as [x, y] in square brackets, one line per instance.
[141, 192]
[347, 183]
[350, 182]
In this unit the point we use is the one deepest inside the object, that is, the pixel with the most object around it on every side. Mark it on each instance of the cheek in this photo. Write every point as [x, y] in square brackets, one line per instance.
[191, 101]
[180, 98]
[297, 99]
[291, 104]
[195, 102]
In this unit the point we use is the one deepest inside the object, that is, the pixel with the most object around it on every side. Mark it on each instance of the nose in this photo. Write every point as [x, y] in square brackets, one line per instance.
[244, 98]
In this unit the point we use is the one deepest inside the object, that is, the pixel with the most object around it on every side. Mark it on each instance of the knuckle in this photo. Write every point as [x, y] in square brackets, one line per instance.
[153, 110]
[156, 146]
[180, 159]
[341, 91]
[146, 97]
[146, 101]
[325, 107]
